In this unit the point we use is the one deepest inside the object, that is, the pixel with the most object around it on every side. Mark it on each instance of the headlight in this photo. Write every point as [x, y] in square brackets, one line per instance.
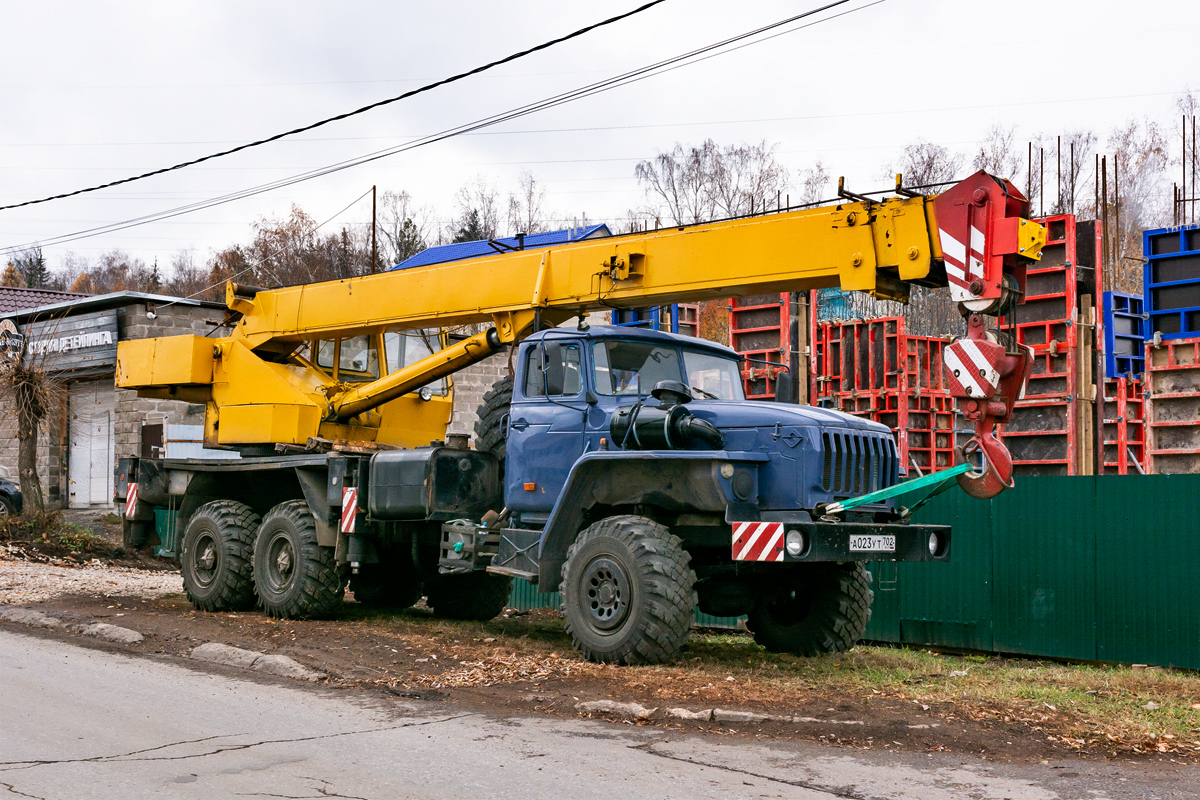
[426, 393]
[794, 543]
[933, 544]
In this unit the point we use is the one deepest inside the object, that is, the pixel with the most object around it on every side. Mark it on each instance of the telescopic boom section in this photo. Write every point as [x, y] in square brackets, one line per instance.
[974, 238]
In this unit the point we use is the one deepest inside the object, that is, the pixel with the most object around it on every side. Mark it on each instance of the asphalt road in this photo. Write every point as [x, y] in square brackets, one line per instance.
[80, 722]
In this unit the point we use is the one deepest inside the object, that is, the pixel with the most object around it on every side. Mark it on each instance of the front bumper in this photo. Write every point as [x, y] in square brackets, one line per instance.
[830, 541]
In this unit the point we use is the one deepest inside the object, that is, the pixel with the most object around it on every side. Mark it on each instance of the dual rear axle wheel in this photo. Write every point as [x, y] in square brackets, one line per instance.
[232, 559]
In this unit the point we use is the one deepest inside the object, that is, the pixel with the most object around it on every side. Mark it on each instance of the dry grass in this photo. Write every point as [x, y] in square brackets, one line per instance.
[1083, 706]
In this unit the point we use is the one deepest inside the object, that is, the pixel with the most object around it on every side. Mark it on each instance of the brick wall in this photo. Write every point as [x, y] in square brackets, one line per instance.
[470, 385]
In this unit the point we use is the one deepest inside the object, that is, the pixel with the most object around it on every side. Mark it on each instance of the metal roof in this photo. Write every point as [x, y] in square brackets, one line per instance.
[490, 247]
[98, 302]
[18, 298]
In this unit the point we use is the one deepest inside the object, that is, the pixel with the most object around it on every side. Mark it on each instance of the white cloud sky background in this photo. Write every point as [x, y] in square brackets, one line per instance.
[94, 91]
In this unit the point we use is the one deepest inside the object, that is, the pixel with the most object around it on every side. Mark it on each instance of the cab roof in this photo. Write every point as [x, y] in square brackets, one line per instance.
[638, 334]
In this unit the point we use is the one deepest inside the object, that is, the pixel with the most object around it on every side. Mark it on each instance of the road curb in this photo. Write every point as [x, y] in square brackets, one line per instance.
[274, 664]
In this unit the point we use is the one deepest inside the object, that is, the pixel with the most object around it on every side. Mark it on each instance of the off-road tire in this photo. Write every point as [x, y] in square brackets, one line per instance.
[222, 531]
[821, 608]
[643, 558]
[387, 585]
[310, 583]
[479, 596]
[490, 428]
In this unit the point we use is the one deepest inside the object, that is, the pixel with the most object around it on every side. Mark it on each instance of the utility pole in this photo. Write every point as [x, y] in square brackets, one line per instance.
[373, 215]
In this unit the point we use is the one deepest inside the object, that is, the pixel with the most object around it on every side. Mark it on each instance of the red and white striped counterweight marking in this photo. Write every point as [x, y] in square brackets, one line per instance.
[349, 508]
[131, 501]
[971, 373]
[963, 266]
[758, 541]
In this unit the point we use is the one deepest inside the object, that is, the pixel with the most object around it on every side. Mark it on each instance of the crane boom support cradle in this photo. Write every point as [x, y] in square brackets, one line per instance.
[260, 388]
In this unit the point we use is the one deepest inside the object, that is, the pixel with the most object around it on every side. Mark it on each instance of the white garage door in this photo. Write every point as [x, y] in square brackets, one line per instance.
[90, 469]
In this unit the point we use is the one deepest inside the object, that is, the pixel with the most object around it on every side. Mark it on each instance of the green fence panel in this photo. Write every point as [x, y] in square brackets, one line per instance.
[949, 604]
[1148, 562]
[1044, 567]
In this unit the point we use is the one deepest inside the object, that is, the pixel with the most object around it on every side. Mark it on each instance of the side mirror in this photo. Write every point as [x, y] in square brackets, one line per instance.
[783, 388]
[590, 398]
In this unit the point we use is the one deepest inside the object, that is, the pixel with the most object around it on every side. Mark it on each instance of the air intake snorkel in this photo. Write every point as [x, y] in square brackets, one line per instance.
[667, 426]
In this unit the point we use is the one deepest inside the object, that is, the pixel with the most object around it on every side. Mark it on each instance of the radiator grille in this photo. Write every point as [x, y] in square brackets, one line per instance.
[856, 463]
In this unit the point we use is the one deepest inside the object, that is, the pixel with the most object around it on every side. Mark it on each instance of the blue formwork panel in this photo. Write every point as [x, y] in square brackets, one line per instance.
[645, 318]
[1172, 281]
[1125, 324]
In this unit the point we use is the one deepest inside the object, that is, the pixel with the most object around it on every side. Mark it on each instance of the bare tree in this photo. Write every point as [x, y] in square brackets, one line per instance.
[1078, 171]
[1139, 158]
[998, 153]
[406, 229]
[696, 184]
[813, 183]
[478, 214]
[26, 385]
[679, 180]
[526, 206]
[927, 164]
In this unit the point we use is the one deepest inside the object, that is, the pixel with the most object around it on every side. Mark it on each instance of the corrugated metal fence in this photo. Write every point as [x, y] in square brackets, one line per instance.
[1096, 568]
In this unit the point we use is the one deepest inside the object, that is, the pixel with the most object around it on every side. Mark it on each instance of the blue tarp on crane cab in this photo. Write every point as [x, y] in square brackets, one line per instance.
[490, 247]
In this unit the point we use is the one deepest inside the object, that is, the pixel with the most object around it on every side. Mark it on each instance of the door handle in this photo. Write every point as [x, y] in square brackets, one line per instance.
[519, 425]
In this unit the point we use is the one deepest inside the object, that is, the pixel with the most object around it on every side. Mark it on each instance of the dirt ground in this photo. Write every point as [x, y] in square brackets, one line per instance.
[870, 698]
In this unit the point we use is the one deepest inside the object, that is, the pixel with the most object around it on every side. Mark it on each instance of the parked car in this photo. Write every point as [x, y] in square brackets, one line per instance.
[10, 498]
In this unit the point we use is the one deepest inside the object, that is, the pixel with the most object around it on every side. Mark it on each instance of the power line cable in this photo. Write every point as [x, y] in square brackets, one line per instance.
[427, 87]
[675, 62]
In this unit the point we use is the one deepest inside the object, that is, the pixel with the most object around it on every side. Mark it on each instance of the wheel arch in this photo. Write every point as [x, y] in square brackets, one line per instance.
[671, 481]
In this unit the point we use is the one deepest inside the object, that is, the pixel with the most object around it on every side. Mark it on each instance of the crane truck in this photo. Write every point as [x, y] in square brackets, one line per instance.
[620, 467]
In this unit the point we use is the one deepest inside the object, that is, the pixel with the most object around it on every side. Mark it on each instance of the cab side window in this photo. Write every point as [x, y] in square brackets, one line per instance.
[553, 368]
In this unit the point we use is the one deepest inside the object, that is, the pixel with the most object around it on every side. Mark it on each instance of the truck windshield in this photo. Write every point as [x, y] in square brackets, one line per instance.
[713, 377]
[619, 364]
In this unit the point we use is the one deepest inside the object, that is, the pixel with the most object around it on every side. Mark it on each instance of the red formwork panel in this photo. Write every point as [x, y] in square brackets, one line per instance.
[1043, 435]
[759, 328]
[1124, 427]
[873, 369]
[1173, 406]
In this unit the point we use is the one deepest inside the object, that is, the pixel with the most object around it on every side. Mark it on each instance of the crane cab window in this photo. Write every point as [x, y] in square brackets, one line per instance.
[358, 359]
[404, 348]
[553, 368]
[326, 352]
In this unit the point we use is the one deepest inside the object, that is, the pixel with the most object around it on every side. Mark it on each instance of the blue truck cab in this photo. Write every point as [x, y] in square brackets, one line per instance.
[633, 466]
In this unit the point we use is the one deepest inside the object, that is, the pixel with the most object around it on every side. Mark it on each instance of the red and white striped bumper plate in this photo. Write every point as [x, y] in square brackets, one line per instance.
[758, 541]
[131, 500]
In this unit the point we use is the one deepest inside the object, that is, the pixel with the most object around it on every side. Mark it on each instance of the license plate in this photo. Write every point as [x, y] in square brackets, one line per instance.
[872, 544]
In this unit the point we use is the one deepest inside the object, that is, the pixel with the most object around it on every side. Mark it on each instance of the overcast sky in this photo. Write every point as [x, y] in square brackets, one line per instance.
[94, 91]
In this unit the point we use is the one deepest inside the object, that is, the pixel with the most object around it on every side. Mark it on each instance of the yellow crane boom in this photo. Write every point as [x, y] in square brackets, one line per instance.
[265, 383]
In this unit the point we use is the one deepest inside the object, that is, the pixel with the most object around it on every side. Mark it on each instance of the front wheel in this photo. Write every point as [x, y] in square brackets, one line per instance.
[294, 576]
[813, 610]
[628, 592]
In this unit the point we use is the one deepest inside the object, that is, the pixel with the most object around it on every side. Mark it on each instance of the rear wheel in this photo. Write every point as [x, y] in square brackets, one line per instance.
[477, 596]
[628, 592]
[293, 575]
[6, 508]
[816, 609]
[216, 554]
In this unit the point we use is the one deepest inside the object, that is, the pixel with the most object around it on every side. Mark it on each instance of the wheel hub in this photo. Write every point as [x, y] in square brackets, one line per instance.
[280, 562]
[605, 593]
[283, 562]
[208, 557]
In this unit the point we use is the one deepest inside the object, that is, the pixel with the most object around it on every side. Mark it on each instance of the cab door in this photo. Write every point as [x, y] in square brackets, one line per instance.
[545, 426]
